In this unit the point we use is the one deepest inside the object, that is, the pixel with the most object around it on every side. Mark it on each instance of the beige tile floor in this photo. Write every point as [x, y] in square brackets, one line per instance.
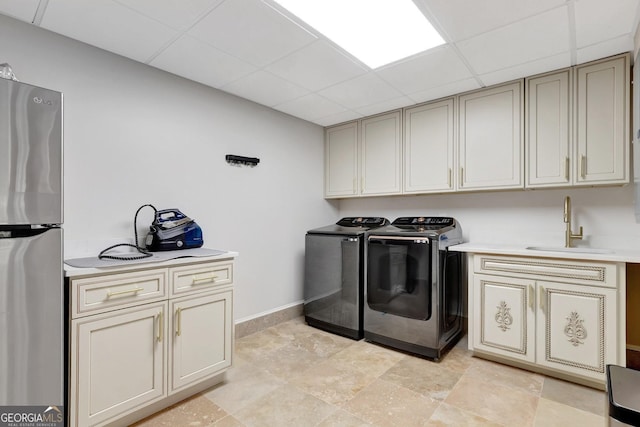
[295, 375]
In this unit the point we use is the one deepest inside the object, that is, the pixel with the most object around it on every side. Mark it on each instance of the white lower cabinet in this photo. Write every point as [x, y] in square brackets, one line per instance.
[503, 319]
[120, 363]
[565, 317]
[576, 328]
[201, 344]
[146, 338]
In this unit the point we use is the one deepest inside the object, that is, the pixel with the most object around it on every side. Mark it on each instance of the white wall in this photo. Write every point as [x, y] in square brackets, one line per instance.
[521, 217]
[136, 135]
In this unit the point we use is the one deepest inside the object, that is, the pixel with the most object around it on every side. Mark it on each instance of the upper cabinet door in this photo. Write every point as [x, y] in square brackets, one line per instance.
[341, 160]
[381, 154]
[429, 147]
[491, 138]
[602, 122]
[548, 138]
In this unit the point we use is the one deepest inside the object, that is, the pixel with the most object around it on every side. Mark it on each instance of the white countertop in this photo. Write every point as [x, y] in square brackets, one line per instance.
[614, 255]
[70, 271]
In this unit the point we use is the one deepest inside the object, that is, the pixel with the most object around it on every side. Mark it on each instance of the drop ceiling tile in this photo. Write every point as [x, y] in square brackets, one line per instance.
[437, 67]
[310, 107]
[195, 60]
[252, 31]
[534, 38]
[384, 106]
[532, 68]
[462, 19]
[601, 50]
[178, 14]
[316, 66]
[445, 90]
[24, 10]
[361, 91]
[135, 36]
[598, 20]
[334, 119]
[265, 88]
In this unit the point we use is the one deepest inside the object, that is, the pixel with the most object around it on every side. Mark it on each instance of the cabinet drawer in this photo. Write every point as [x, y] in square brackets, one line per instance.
[99, 294]
[582, 272]
[200, 277]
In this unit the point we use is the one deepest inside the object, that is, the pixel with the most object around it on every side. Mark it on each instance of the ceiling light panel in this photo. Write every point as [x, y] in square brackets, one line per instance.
[377, 32]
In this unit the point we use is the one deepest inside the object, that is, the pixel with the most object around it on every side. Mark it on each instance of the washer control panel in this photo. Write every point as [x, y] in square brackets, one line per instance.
[362, 221]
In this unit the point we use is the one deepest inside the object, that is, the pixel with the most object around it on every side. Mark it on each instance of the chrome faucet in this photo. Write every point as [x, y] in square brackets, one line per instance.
[568, 235]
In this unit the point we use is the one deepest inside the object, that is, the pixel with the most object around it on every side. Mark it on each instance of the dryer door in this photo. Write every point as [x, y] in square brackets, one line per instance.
[399, 276]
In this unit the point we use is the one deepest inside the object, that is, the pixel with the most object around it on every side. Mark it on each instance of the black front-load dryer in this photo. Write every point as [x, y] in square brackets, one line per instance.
[334, 275]
[416, 287]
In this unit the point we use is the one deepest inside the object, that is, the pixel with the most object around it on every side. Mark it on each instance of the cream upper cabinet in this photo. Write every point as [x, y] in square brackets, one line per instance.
[341, 161]
[577, 125]
[364, 158]
[573, 130]
[381, 154]
[602, 122]
[429, 140]
[491, 138]
[548, 130]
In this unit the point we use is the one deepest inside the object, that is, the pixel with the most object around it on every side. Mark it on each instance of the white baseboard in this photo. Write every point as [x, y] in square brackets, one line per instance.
[268, 312]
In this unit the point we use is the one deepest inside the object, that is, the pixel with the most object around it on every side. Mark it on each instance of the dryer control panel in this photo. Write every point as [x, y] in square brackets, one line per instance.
[435, 221]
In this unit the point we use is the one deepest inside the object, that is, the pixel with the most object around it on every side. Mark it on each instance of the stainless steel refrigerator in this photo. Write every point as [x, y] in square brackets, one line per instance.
[31, 276]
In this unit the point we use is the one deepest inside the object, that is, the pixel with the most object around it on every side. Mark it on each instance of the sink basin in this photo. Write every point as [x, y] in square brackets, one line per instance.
[571, 250]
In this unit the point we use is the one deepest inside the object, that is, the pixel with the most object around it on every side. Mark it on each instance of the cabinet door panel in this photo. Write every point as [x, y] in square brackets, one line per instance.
[504, 318]
[602, 104]
[202, 339]
[118, 363]
[491, 138]
[341, 160]
[381, 149]
[429, 143]
[575, 330]
[548, 138]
